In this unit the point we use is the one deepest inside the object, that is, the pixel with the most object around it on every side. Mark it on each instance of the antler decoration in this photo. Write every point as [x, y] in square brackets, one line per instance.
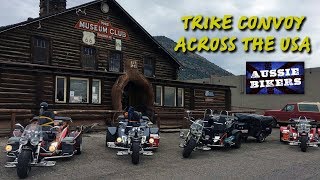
[80, 11]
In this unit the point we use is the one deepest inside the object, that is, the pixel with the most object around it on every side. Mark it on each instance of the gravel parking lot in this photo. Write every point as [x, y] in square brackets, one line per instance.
[268, 160]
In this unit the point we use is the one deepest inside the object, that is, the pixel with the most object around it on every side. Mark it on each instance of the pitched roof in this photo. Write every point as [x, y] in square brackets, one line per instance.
[30, 21]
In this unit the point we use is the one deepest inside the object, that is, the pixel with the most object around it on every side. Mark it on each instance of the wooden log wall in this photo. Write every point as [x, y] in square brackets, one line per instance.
[66, 42]
[24, 84]
[194, 99]
[216, 103]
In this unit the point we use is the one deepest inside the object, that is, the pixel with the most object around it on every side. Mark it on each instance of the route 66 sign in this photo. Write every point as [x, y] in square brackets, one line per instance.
[89, 38]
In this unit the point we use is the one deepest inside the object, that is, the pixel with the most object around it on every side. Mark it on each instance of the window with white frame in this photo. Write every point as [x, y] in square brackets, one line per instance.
[159, 94]
[180, 102]
[169, 96]
[96, 91]
[79, 90]
[61, 85]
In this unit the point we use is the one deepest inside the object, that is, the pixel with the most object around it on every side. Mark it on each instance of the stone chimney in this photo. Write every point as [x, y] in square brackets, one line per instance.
[52, 6]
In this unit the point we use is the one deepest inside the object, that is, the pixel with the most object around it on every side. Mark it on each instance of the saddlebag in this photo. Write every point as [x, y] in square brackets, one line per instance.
[68, 145]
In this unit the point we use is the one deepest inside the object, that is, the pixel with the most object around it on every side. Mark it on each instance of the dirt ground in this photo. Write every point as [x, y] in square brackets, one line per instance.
[268, 160]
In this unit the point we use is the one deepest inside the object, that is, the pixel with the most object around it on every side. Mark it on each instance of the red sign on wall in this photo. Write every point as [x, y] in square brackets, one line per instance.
[103, 29]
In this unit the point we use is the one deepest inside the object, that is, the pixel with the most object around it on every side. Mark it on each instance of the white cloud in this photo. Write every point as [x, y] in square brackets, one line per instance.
[163, 18]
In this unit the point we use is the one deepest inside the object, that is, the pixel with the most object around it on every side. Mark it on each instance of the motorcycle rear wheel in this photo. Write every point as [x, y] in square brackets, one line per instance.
[261, 137]
[191, 144]
[79, 145]
[237, 141]
[23, 166]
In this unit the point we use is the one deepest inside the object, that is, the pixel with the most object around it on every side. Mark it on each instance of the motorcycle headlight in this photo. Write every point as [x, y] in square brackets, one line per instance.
[23, 141]
[151, 140]
[53, 146]
[34, 141]
[119, 139]
[8, 148]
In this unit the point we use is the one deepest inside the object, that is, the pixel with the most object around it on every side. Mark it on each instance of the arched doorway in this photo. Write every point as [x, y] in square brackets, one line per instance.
[133, 90]
[134, 95]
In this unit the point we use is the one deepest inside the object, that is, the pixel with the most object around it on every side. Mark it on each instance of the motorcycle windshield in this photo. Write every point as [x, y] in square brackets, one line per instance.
[198, 124]
[304, 126]
[32, 131]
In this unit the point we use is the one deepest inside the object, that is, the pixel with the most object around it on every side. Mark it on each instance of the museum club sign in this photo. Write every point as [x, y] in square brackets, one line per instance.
[103, 29]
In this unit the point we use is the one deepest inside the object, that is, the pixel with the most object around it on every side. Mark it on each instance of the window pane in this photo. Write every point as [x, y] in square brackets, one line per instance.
[180, 97]
[290, 108]
[89, 57]
[148, 67]
[159, 95]
[78, 91]
[169, 96]
[60, 91]
[114, 63]
[308, 107]
[96, 92]
[40, 52]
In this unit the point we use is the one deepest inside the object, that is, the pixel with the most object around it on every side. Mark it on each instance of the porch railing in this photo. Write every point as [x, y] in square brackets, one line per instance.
[13, 114]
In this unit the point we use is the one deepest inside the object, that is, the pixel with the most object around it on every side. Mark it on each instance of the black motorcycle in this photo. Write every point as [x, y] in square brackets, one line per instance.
[257, 126]
[133, 136]
[28, 153]
[214, 130]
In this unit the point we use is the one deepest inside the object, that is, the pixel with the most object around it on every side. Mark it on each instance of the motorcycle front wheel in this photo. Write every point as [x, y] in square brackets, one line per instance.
[135, 152]
[190, 145]
[303, 143]
[23, 166]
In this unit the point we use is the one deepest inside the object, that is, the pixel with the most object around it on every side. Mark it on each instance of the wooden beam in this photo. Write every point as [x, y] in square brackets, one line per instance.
[13, 121]
[15, 111]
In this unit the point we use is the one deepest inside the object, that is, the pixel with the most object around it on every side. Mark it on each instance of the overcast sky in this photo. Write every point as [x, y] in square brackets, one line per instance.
[162, 17]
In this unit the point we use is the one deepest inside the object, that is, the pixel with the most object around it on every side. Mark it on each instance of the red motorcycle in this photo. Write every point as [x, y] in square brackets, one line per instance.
[301, 132]
[43, 139]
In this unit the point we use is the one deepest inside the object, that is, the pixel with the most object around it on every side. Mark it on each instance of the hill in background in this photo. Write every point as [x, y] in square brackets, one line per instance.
[194, 65]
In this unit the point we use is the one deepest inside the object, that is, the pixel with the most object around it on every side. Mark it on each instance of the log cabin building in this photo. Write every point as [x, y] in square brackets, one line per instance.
[93, 57]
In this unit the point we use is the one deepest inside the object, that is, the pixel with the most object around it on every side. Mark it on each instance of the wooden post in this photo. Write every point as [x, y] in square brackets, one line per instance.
[183, 120]
[158, 120]
[13, 120]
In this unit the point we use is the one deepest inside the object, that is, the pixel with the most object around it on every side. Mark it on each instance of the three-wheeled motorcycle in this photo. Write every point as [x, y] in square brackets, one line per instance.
[257, 126]
[133, 135]
[214, 130]
[301, 132]
[40, 141]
